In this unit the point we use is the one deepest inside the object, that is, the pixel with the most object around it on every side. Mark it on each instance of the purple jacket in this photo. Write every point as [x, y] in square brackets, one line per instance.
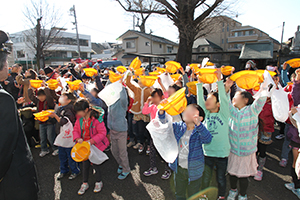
[292, 132]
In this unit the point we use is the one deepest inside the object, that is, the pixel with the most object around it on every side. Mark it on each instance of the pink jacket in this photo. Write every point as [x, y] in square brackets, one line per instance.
[150, 109]
[97, 133]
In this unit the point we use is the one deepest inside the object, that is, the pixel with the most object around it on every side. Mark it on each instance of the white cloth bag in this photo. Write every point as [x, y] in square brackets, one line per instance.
[96, 156]
[65, 136]
[163, 138]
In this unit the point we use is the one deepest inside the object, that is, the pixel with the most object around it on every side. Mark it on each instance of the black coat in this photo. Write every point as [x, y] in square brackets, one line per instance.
[17, 169]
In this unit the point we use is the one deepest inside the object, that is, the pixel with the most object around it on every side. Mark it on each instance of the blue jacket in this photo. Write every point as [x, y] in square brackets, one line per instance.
[200, 135]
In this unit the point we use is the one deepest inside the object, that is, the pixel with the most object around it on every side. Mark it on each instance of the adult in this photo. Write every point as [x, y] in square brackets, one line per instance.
[13, 87]
[18, 178]
[30, 74]
[50, 73]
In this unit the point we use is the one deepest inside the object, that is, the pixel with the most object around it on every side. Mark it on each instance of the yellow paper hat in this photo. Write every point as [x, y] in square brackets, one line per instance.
[74, 85]
[113, 77]
[247, 79]
[175, 103]
[207, 75]
[148, 81]
[192, 87]
[139, 72]
[175, 77]
[36, 83]
[52, 84]
[210, 64]
[172, 66]
[226, 70]
[153, 73]
[90, 72]
[121, 69]
[43, 116]
[160, 70]
[195, 66]
[81, 152]
[263, 71]
[135, 64]
[294, 63]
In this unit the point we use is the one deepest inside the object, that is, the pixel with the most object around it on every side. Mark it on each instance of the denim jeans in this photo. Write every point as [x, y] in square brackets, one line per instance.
[285, 147]
[221, 164]
[183, 186]
[47, 131]
[66, 161]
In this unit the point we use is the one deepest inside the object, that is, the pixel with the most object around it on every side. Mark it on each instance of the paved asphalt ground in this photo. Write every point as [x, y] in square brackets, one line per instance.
[138, 187]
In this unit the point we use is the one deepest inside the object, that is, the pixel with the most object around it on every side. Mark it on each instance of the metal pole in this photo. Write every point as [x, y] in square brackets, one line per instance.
[133, 24]
[280, 51]
[77, 35]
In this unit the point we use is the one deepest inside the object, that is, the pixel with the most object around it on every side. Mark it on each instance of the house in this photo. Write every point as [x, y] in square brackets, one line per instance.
[148, 47]
[232, 36]
[59, 52]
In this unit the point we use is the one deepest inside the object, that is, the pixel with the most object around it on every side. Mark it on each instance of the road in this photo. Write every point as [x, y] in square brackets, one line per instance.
[138, 187]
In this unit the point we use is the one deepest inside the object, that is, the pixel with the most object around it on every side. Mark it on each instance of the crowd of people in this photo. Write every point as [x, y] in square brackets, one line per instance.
[223, 127]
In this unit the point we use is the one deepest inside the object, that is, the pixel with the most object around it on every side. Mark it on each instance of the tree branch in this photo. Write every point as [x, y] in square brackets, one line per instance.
[207, 12]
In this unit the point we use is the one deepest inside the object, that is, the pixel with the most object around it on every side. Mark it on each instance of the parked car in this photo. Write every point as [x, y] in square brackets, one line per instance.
[109, 64]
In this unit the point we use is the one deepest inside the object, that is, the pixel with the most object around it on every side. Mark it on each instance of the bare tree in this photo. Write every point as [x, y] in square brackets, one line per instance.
[141, 5]
[42, 20]
[191, 17]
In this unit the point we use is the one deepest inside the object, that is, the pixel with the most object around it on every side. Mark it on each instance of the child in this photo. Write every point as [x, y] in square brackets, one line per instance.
[189, 165]
[141, 94]
[45, 101]
[155, 98]
[89, 128]
[243, 131]
[216, 121]
[63, 115]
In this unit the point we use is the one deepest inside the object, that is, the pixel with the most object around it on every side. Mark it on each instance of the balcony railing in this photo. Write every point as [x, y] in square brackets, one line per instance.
[243, 38]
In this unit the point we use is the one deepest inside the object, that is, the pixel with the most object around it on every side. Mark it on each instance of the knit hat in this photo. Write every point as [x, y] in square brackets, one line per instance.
[48, 70]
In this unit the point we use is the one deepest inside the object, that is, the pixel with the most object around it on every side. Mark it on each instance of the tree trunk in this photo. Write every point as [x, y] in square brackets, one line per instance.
[184, 54]
[142, 26]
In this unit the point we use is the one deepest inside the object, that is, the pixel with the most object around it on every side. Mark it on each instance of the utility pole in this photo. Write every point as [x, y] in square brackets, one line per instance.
[76, 27]
[133, 22]
[38, 46]
[280, 51]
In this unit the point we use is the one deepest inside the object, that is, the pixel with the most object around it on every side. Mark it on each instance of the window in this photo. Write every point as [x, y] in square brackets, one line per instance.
[20, 54]
[222, 41]
[222, 29]
[170, 49]
[147, 44]
[227, 28]
[160, 46]
[130, 44]
[227, 40]
[238, 34]
[237, 46]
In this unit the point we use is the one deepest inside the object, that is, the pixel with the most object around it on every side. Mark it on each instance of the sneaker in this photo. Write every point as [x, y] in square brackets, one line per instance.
[242, 197]
[137, 146]
[98, 187]
[297, 192]
[258, 176]
[141, 149]
[60, 176]
[283, 162]
[120, 169]
[148, 150]
[73, 176]
[151, 171]
[123, 175]
[43, 153]
[37, 146]
[55, 152]
[83, 188]
[166, 175]
[130, 144]
[280, 136]
[232, 194]
[220, 198]
[290, 186]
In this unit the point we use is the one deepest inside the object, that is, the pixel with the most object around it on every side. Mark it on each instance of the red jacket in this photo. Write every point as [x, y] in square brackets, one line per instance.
[266, 116]
[97, 133]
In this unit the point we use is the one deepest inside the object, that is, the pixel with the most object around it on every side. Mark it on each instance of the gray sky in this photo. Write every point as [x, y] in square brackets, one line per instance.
[105, 20]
